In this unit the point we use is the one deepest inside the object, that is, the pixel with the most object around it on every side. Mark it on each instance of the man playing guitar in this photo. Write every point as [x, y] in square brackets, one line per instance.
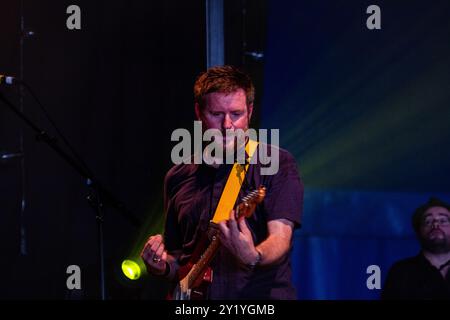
[253, 259]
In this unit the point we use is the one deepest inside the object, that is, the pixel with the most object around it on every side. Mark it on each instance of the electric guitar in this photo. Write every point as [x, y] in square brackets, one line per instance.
[195, 276]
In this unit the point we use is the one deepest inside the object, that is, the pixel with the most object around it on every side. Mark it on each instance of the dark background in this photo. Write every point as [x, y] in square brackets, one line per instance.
[364, 112]
[117, 89]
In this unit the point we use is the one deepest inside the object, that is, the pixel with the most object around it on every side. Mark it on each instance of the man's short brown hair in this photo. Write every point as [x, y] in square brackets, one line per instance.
[225, 79]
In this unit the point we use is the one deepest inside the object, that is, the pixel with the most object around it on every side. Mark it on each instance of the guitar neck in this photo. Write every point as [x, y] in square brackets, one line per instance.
[245, 208]
[204, 261]
[198, 269]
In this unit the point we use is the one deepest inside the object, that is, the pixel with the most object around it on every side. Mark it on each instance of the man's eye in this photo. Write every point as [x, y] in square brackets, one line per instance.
[237, 113]
[444, 220]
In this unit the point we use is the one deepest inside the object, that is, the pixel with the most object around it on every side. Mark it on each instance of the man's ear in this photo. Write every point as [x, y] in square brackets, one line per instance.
[198, 112]
[249, 112]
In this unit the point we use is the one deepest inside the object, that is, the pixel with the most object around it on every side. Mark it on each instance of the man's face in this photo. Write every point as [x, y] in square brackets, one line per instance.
[435, 230]
[225, 111]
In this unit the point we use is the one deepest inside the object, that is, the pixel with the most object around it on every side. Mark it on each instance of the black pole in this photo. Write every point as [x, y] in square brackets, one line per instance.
[98, 192]
[23, 200]
[94, 200]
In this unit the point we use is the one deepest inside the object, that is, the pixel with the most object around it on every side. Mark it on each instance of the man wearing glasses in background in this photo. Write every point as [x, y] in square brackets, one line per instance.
[427, 275]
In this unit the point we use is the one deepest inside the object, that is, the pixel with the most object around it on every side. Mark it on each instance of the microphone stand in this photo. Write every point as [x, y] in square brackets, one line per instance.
[98, 193]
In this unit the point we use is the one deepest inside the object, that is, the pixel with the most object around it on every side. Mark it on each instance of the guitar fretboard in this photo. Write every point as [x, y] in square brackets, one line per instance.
[204, 261]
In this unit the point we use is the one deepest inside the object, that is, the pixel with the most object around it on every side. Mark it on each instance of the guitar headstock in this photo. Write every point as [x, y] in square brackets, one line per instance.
[250, 201]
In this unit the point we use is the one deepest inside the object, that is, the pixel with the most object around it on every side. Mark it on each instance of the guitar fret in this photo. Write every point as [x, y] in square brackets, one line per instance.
[203, 261]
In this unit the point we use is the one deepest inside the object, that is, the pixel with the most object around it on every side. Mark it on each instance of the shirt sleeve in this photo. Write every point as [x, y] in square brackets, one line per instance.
[284, 199]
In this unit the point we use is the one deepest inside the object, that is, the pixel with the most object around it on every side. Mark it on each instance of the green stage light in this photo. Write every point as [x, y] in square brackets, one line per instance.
[131, 269]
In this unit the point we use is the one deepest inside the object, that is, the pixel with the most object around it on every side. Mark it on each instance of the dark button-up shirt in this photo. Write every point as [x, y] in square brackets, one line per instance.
[416, 278]
[192, 193]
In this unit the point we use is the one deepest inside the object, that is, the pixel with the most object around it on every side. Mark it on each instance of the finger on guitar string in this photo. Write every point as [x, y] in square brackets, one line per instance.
[232, 225]
[224, 231]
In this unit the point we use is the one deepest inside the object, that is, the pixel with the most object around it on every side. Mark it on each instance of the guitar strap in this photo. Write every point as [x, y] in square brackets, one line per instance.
[233, 185]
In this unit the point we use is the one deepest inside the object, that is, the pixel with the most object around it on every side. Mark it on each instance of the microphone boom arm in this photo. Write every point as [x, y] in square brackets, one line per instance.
[42, 135]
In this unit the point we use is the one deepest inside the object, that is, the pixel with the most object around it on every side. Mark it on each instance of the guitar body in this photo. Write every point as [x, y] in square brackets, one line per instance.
[195, 277]
[199, 289]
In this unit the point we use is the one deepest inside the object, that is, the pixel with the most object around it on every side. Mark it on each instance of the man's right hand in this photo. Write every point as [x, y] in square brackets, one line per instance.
[154, 255]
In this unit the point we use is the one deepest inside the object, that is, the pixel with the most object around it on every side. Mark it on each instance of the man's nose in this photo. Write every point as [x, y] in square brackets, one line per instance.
[227, 123]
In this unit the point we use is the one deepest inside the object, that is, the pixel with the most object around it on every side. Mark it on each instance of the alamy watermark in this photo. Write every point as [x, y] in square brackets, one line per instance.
[374, 280]
[74, 279]
[73, 21]
[226, 149]
[373, 22]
